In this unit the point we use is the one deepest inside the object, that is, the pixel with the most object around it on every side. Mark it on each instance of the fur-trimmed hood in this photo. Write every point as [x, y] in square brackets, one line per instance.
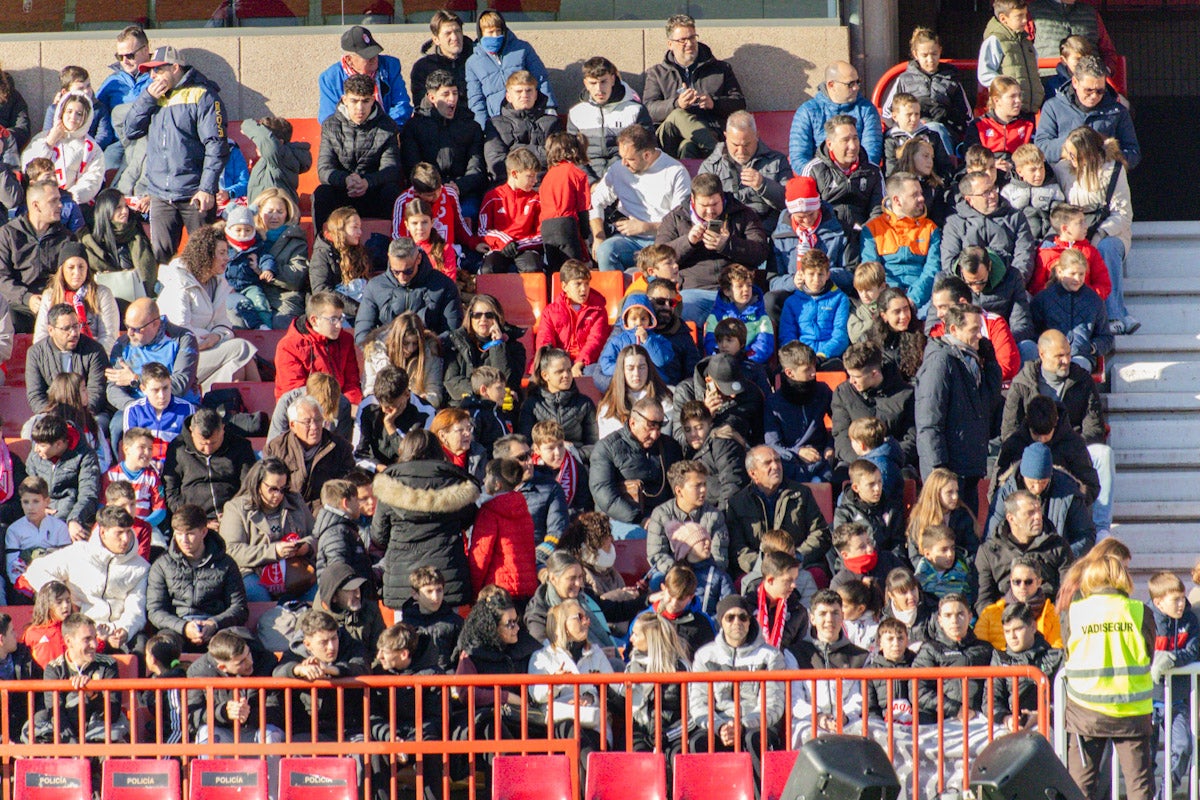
[426, 487]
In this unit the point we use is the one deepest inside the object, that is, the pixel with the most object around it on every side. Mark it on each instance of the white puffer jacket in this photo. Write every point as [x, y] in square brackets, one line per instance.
[78, 160]
[186, 303]
[551, 660]
[108, 587]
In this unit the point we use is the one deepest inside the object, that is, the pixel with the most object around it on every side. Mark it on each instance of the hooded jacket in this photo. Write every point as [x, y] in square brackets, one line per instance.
[279, 165]
[432, 295]
[750, 514]
[454, 146]
[994, 560]
[686, 352]
[769, 200]
[760, 333]
[796, 417]
[753, 655]
[1005, 232]
[389, 85]
[210, 481]
[179, 589]
[745, 413]
[601, 124]
[707, 75]
[1080, 315]
[1005, 296]
[954, 409]
[891, 401]
[1062, 504]
[424, 509]
[186, 137]
[830, 239]
[1042, 657]
[1080, 401]
[941, 95]
[908, 247]
[74, 479]
[502, 546]
[28, 259]
[249, 536]
[370, 149]
[1068, 449]
[660, 350]
[364, 625]
[106, 586]
[302, 351]
[486, 73]
[187, 302]
[817, 320]
[334, 457]
[808, 127]
[700, 267]
[511, 129]
[581, 332]
[855, 198]
[339, 542]
[78, 158]
[264, 663]
[618, 458]
[940, 651]
[1064, 113]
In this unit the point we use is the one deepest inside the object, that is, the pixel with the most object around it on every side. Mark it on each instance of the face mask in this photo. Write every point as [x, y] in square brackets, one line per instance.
[491, 43]
[605, 558]
[861, 565]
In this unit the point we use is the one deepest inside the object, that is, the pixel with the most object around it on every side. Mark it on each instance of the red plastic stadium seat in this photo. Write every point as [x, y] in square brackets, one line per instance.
[14, 368]
[264, 341]
[257, 609]
[632, 563]
[14, 408]
[981, 522]
[522, 296]
[587, 387]
[20, 448]
[359, 8]
[626, 776]
[832, 379]
[531, 778]
[256, 396]
[228, 779]
[20, 615]
[774, 127]
[306, 129]
[714, 776]
[317, 779]
[823, 494]
[53, 779]
[610, 284]
[140, 779]
[776, 769]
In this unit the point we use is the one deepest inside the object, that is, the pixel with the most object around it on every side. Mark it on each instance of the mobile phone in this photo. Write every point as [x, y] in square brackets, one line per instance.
[715, 225]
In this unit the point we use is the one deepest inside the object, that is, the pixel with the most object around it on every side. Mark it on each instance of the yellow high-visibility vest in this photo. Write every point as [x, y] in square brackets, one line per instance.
[1108, 666]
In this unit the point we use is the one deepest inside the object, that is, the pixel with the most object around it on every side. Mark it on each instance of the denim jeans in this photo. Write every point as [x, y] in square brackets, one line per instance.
[1112, 250]
[1106, 468]
[620, 252]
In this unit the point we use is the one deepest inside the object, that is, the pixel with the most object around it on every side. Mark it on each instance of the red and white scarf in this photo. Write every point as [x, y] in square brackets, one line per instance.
[76, 301]
[807, 236]
[348, 70]
[773, 634]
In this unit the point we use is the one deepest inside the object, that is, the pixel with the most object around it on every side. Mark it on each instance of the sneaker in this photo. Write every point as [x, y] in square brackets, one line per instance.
[1123, 327]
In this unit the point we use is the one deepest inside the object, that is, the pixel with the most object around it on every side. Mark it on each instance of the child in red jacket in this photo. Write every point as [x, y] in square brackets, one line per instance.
[1071, 224]
[447, 212]
[577, 320]
[566, 200]
[319, 342]
[502, 542]
[510, 218]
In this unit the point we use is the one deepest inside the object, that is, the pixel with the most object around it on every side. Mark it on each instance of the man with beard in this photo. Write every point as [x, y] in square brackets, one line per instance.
[1024, 532]
[663, 296]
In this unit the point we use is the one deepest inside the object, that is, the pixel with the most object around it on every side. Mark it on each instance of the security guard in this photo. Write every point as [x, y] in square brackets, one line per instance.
[1110, 641]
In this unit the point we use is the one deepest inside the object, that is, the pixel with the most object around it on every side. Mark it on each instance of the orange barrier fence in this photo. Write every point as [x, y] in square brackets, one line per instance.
[446, 721]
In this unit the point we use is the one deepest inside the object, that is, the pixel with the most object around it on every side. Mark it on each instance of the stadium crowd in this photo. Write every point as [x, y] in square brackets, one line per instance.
[963, 272]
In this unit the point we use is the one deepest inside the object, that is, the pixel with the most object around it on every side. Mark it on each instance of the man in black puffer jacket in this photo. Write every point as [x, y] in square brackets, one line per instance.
[359, 161]
[953, 645]
[523, 122]
[443, 132]
[448, 50]
[873, 389]
[195, 589]
[205, 464]
[234, 653]
[628, 476]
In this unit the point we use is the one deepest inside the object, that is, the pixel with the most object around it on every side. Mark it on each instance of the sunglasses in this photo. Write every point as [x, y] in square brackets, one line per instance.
[737, 617]
[653, 423]
[666, 302]
[483, 315]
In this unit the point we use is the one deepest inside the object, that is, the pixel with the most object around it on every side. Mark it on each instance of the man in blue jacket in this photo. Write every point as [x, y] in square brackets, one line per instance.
[181, 112]
[124, 84]
[1089, 101]
[838, 95]
[362, 57]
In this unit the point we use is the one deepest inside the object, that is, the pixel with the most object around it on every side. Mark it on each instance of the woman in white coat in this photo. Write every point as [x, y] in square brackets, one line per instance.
[75, 285]
[78, 159]
[195, 295]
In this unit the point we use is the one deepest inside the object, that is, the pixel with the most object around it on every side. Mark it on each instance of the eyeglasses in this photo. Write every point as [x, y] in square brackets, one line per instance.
[128, 56]
[986, 193]
[269, 489]
[483, 315]
[685, 39]
[1025, 582]
[854, 84]
[309, 423]
[76, 328]
[510, 624]
[338, 320]
[737, 617]
[465, 428]
[653, 423]
[139, 328]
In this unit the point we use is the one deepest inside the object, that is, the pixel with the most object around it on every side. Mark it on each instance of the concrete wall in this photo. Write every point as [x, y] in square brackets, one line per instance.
[275, 71]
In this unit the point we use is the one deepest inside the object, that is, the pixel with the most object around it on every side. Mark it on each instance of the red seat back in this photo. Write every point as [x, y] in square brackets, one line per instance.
[317, 779]
[631, 562]
[531, 778]
[264, 341]
[14, 368]
[228, 779]
[14, 408]
[823, 494]
[587, 387]
[776, 769]
[20, 616]
[626, 776]
[522, 296]
[255, 396]
[610, 284]
[53, 779]
[140, 779]
[714, 776]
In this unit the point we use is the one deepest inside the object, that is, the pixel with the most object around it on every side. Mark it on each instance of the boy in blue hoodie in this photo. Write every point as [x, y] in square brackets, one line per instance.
[795, 425]
[818, 313]
[251, 266]
[636, 326]
[1177, 644]
[741, 299]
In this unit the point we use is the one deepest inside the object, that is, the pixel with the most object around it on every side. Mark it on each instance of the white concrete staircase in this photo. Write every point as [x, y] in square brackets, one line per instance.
[1154, 402]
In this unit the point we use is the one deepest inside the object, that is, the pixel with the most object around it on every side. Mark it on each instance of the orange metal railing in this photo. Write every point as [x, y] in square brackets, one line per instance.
[462, 709]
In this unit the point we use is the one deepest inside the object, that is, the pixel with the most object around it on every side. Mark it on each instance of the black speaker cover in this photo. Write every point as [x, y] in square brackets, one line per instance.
[1022, 766]
[842, 768]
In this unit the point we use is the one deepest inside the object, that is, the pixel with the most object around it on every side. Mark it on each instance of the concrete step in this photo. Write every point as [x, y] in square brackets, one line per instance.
[1174, 484]
[1144, 511]
[1177, 343]
[1162, 249]
[1159, 538]
[1153, 432]
[1157, 459]
[1150, 402]
[1135, 373]
[1160, 316]
[1160, 286]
